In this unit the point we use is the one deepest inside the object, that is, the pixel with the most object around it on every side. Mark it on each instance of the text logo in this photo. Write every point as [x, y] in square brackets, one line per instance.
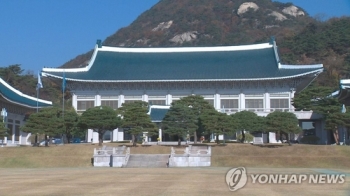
[298, 178]
[236, 178]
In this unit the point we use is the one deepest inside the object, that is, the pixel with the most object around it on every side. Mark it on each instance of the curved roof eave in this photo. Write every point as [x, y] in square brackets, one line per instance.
[157, 50]
[345, 83]
[184, 80]
[316, 66]
[24, 105]
[19, 93]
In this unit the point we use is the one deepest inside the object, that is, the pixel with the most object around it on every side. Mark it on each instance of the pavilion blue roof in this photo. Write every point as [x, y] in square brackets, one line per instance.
[226, 63]
[14, 96]
[157, 113]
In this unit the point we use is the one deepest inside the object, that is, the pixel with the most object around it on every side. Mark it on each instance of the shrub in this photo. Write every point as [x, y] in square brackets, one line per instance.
[124, 141]
[310, 139]
[248, 137]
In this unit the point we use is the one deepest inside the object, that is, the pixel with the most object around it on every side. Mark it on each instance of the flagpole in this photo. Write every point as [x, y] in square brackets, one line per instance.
[37, 99]
[38, 86]
[63, 89]
[343, 110]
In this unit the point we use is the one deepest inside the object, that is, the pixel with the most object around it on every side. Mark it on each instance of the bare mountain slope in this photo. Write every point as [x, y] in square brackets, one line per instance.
[206, 23]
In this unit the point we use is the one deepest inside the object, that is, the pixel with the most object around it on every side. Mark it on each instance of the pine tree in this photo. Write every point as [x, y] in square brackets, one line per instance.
[136, 120]
[247, 121]
[218, 123]
[198, 105]
[282, 122]
[100, 119]
[179, 121]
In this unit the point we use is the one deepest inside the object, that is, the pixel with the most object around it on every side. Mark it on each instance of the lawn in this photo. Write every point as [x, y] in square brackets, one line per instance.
[66, 170]
[232, 155]
[151, 181]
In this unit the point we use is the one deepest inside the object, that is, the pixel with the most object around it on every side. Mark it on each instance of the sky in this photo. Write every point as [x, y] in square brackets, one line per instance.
[48, 33]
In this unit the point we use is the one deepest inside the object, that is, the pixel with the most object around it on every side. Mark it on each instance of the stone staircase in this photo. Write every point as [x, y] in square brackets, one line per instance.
[191, 156]
[147, 160]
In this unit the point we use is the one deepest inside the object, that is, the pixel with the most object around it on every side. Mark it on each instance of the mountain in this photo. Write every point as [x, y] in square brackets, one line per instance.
[175, 23]
[207, 23]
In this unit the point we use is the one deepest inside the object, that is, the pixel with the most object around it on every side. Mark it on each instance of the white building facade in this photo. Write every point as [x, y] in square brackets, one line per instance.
[231, 78]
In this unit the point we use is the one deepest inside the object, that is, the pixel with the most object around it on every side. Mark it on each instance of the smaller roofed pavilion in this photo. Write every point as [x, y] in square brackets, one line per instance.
[344, 92]
[15, 105]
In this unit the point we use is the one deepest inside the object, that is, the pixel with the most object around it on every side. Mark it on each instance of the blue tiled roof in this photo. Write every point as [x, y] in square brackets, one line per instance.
[157, 114]
[138, 65]
[16, 97]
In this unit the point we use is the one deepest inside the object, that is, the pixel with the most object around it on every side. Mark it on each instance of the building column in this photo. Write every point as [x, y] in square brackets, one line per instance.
[75, 102]
[144, 137]
[217, 101]
[145, 98]
[292, 92]
[169, 99]
[13, 132]
[115, 135]
[97, 100]
[91, 136]
[241, 102]
[160, 135]
[267, 104]
[120, 100]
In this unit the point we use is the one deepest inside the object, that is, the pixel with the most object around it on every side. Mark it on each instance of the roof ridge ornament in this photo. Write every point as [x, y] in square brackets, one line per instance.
[273, 43]
[99, 43]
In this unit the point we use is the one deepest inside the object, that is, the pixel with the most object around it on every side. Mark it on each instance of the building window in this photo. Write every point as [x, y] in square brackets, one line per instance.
[210, 101]
[16, 132]
[254, 104]
[132, 98]
[107, 135]
[9, 131]
[130, 101]
[111, 103]
[229, 103]
[84, 105]
[156, 102]
[279, 103]
[179, 96]
[279, 95]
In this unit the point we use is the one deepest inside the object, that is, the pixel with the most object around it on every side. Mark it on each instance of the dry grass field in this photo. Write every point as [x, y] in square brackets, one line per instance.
[232, 155]
[66, 170]
[150, 181]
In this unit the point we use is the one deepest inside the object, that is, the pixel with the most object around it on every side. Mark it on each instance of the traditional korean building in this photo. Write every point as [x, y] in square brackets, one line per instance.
[344, 92]
[343, 95]
[15, 105]
[231, 78]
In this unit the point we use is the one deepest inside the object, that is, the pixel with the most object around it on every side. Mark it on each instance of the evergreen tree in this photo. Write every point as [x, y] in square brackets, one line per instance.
[198, 105]
[3, 130]
[47, 121]
[282, 122]
[100, 119]
[247, 121]
[218, 123]
[179, 121]
[136, 120]
[319, 99]
[71, 120]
